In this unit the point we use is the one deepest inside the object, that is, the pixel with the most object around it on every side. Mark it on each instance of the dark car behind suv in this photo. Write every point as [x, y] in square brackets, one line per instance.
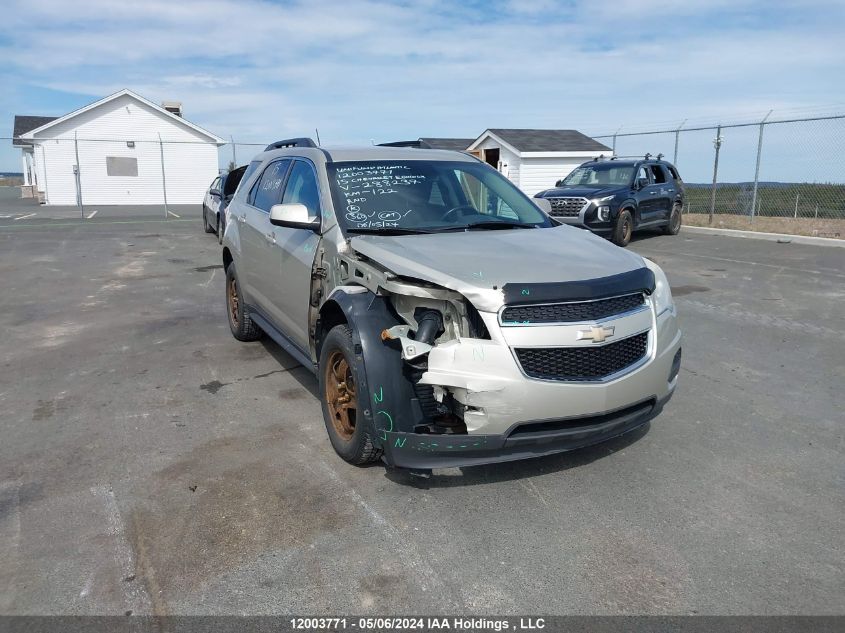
[618, 196]
[217, 199]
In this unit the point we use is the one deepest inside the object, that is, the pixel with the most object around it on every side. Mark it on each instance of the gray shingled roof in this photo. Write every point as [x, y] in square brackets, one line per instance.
[25, 123]
[548, 140]
[456, 144]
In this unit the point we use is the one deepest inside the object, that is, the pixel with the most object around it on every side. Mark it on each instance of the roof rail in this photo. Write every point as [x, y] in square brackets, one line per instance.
[292, 142]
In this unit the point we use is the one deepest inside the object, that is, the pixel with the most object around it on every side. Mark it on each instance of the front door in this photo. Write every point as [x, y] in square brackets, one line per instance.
[290, 257]
[256, 232]
[647, 195]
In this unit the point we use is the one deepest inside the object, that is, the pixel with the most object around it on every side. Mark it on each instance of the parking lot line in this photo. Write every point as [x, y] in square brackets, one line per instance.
[92, 214]
[24, 217]
[77, 223]
[173, 214]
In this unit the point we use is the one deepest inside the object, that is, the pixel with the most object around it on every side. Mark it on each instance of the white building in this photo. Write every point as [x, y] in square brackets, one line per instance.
[535, 159]
[112, 152]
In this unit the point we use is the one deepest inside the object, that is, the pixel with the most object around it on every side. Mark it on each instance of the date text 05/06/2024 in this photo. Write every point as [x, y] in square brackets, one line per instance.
[417, 624]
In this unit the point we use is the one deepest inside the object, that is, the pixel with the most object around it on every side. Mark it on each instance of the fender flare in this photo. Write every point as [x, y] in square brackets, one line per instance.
[391, 403]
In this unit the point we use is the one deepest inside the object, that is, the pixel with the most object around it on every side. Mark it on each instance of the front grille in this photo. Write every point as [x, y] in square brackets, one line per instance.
[567, 207]
[582, 363]
[571, 312]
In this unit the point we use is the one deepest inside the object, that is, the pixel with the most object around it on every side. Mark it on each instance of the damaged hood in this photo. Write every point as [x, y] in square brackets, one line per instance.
[478, 263]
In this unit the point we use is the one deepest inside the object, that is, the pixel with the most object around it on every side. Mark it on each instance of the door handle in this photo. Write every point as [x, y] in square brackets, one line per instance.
[241, 218]
[271, 238]
[670, 190]
[654, 193]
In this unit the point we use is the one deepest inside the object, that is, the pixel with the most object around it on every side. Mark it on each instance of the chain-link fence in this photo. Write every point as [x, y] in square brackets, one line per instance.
[784, 175]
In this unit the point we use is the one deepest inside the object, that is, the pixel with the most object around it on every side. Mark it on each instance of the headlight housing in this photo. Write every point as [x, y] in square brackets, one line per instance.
[662, 295]
[602, 208]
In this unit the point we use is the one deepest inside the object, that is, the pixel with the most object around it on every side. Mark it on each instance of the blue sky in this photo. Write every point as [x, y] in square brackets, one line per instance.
[360, 70]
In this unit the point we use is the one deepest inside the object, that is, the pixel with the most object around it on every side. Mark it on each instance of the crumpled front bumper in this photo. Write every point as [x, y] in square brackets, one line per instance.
[510, 416]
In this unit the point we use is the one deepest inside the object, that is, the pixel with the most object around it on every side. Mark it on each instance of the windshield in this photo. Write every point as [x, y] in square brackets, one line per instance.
[600, 175]
[427, 196]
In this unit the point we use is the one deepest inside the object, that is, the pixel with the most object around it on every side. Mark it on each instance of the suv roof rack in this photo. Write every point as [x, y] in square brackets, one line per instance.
[648, 156]
[400, 144]
[301, 141]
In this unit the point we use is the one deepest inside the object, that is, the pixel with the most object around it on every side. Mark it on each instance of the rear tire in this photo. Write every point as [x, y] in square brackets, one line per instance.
[624, 228]
[674, 225]
[205, 226]
[351, 434]
[240, 323]
[219, 230]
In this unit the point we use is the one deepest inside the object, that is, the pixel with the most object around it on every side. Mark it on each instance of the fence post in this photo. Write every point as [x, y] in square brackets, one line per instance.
[677, 134]
[757, 168]
[234, 155]
[717, 142]
[614, 141]
[78, 177]
[163, 178]
[795, 215]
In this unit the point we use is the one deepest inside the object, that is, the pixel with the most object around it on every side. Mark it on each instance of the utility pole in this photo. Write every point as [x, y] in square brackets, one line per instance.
[717, 143]
[677, 134]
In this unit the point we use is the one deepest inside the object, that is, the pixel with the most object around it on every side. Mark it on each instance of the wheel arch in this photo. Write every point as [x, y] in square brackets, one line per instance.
[388, 399]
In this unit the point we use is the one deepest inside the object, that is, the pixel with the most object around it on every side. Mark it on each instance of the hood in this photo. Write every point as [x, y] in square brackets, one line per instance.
[581, 192]
[478, 263]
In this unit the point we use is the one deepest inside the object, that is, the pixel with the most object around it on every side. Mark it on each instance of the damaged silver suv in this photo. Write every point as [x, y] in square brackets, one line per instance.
[449, 320]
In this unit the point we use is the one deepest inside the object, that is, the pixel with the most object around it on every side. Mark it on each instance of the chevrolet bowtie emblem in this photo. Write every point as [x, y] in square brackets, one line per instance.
[596, 334]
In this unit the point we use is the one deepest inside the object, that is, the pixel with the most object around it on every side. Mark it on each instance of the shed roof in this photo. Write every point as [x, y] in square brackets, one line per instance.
[25, 122]
[532, 140]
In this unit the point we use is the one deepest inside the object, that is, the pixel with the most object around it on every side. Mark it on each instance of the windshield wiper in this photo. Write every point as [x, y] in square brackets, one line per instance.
[387, 230]
[492, 224]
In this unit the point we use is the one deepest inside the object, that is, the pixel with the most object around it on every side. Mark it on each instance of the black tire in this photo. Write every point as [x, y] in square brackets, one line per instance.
[242, 326]
[623, 229]
[205, 226]
[219, 230]
[353, 442]
[674, 225]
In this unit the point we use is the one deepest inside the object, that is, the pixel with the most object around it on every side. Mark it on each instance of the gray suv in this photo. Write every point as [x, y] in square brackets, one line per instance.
[448, 319]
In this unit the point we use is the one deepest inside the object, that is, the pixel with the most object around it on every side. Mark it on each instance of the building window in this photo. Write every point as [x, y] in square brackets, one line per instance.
[121, 166]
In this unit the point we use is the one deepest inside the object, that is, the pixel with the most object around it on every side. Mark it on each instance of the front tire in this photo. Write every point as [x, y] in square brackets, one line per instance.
[240, 323]
[674, 225]
[350, 433]
[624, 228]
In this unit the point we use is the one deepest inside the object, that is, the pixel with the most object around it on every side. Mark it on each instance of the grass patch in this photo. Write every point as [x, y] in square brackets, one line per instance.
[791, 226]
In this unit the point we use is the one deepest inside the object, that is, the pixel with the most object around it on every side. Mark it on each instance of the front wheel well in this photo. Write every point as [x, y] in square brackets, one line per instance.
[331, 315]
[227, 258]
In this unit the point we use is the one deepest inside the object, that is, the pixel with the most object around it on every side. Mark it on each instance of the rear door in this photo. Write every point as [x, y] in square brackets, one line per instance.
[256, 231]
[290, 257]
[663, 185]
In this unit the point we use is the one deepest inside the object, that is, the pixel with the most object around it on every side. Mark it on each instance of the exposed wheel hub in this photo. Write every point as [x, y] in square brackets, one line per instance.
[340, 395]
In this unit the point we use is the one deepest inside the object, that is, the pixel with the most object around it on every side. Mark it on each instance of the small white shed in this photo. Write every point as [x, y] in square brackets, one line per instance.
[112, 152]
[535, 159]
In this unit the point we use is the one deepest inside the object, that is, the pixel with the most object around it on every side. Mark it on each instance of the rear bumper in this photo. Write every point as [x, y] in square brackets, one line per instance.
[411, 450]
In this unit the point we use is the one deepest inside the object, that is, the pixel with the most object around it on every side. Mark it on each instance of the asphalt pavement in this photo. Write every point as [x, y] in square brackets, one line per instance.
[151, 463]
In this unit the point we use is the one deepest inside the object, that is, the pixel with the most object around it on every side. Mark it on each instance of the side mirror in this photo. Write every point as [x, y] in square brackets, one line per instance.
[642, 182]
[559, 183]
[544, 204]
[295, 216]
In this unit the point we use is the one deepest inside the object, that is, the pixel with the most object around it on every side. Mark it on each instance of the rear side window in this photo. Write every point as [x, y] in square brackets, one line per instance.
[674, 172]
[302, 187]
[658, 173]
[268, 189]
